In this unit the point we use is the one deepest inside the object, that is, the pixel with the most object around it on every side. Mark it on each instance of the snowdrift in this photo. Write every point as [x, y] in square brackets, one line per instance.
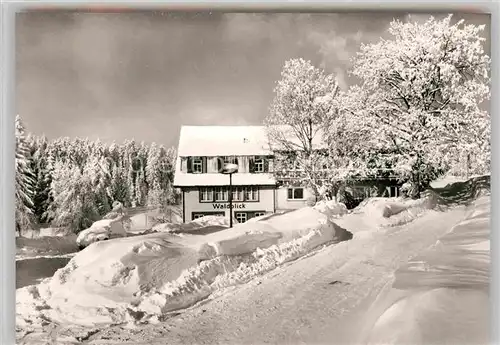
[101, 230]
[143, 220]
[200, 226]
[143, 277]
[331, 208]
[378, 213]
[442, 295]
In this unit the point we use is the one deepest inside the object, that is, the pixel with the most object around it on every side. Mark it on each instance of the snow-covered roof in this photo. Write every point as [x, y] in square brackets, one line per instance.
[216, 141]
[234, 140]
[223, 141]
[215, 179]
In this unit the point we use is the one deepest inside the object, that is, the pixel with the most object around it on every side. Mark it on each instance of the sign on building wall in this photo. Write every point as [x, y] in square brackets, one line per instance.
[219, 206]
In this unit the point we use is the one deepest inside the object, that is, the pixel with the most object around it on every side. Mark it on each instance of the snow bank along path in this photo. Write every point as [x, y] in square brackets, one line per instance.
[141, 278]
[442, 295]
[319, 299]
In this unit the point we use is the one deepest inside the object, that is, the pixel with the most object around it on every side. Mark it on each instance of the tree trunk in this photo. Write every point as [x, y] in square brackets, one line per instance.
[335, 192]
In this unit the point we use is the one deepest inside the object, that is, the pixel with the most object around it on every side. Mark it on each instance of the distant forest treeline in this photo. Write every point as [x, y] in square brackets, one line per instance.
[72, 182]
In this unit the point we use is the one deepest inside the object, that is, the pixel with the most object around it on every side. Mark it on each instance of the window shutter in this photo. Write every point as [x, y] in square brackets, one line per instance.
[184, 164]
[241, 165]
[290, 193]
[204, 164]
[266, 164]
[251, 165]
[219, 164]
[190, 165]
[270, 165]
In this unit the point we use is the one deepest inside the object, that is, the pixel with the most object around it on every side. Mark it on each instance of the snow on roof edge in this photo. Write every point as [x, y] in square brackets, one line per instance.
[208, 140]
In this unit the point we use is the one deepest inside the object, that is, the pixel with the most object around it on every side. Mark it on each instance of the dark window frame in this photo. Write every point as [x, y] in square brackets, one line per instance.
[235, 189]
[224, 190]
[200, 194]
[245, 194]
[239, 212]
[249, 214]
[293, 189]
[259, 165]
[197, 161]
[207, 213]
[396, 191]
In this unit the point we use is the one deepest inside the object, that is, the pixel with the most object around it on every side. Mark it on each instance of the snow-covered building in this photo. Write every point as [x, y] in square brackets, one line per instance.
[202, 153]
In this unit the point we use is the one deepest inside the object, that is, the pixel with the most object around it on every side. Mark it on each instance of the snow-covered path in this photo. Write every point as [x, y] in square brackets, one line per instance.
[321, 298]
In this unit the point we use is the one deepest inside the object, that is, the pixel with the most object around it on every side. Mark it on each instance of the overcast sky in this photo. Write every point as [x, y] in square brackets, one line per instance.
[143, 75]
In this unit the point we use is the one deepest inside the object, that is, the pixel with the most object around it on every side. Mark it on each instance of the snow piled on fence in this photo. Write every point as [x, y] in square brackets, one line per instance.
[141, 278]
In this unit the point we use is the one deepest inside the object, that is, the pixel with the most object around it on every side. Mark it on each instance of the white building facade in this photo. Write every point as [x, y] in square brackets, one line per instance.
[202, 153]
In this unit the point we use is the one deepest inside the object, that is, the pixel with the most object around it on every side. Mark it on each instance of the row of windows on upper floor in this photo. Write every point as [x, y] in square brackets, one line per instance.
[242, 194]
[246, 164]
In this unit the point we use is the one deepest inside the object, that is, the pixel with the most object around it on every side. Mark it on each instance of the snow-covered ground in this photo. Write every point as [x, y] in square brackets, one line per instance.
[143, 277]
[325, 298]
[442, 295]
[141, 280]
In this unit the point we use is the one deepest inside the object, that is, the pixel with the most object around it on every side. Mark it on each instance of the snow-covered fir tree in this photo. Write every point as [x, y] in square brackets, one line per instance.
[117, 190]
[23, 179]
[41, 176]
[153, 176]
[74, 200]
[139, 167]
[73, 182]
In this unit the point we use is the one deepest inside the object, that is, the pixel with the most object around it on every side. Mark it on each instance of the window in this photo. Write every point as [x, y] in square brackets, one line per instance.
[221, 194]
[259, 214]
[393, 191]
[241, 217]
[258, 165]
[238, 194]
[295, 193]
[197, 163]
[230, 160]
[197, 215]
[206, 194]
[251, 194]
[359, 192]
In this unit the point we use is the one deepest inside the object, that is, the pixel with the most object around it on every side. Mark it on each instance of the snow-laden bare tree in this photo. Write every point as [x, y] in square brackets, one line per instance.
[303, 97]
[23, 179]
[350, 156]
[420, 98]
